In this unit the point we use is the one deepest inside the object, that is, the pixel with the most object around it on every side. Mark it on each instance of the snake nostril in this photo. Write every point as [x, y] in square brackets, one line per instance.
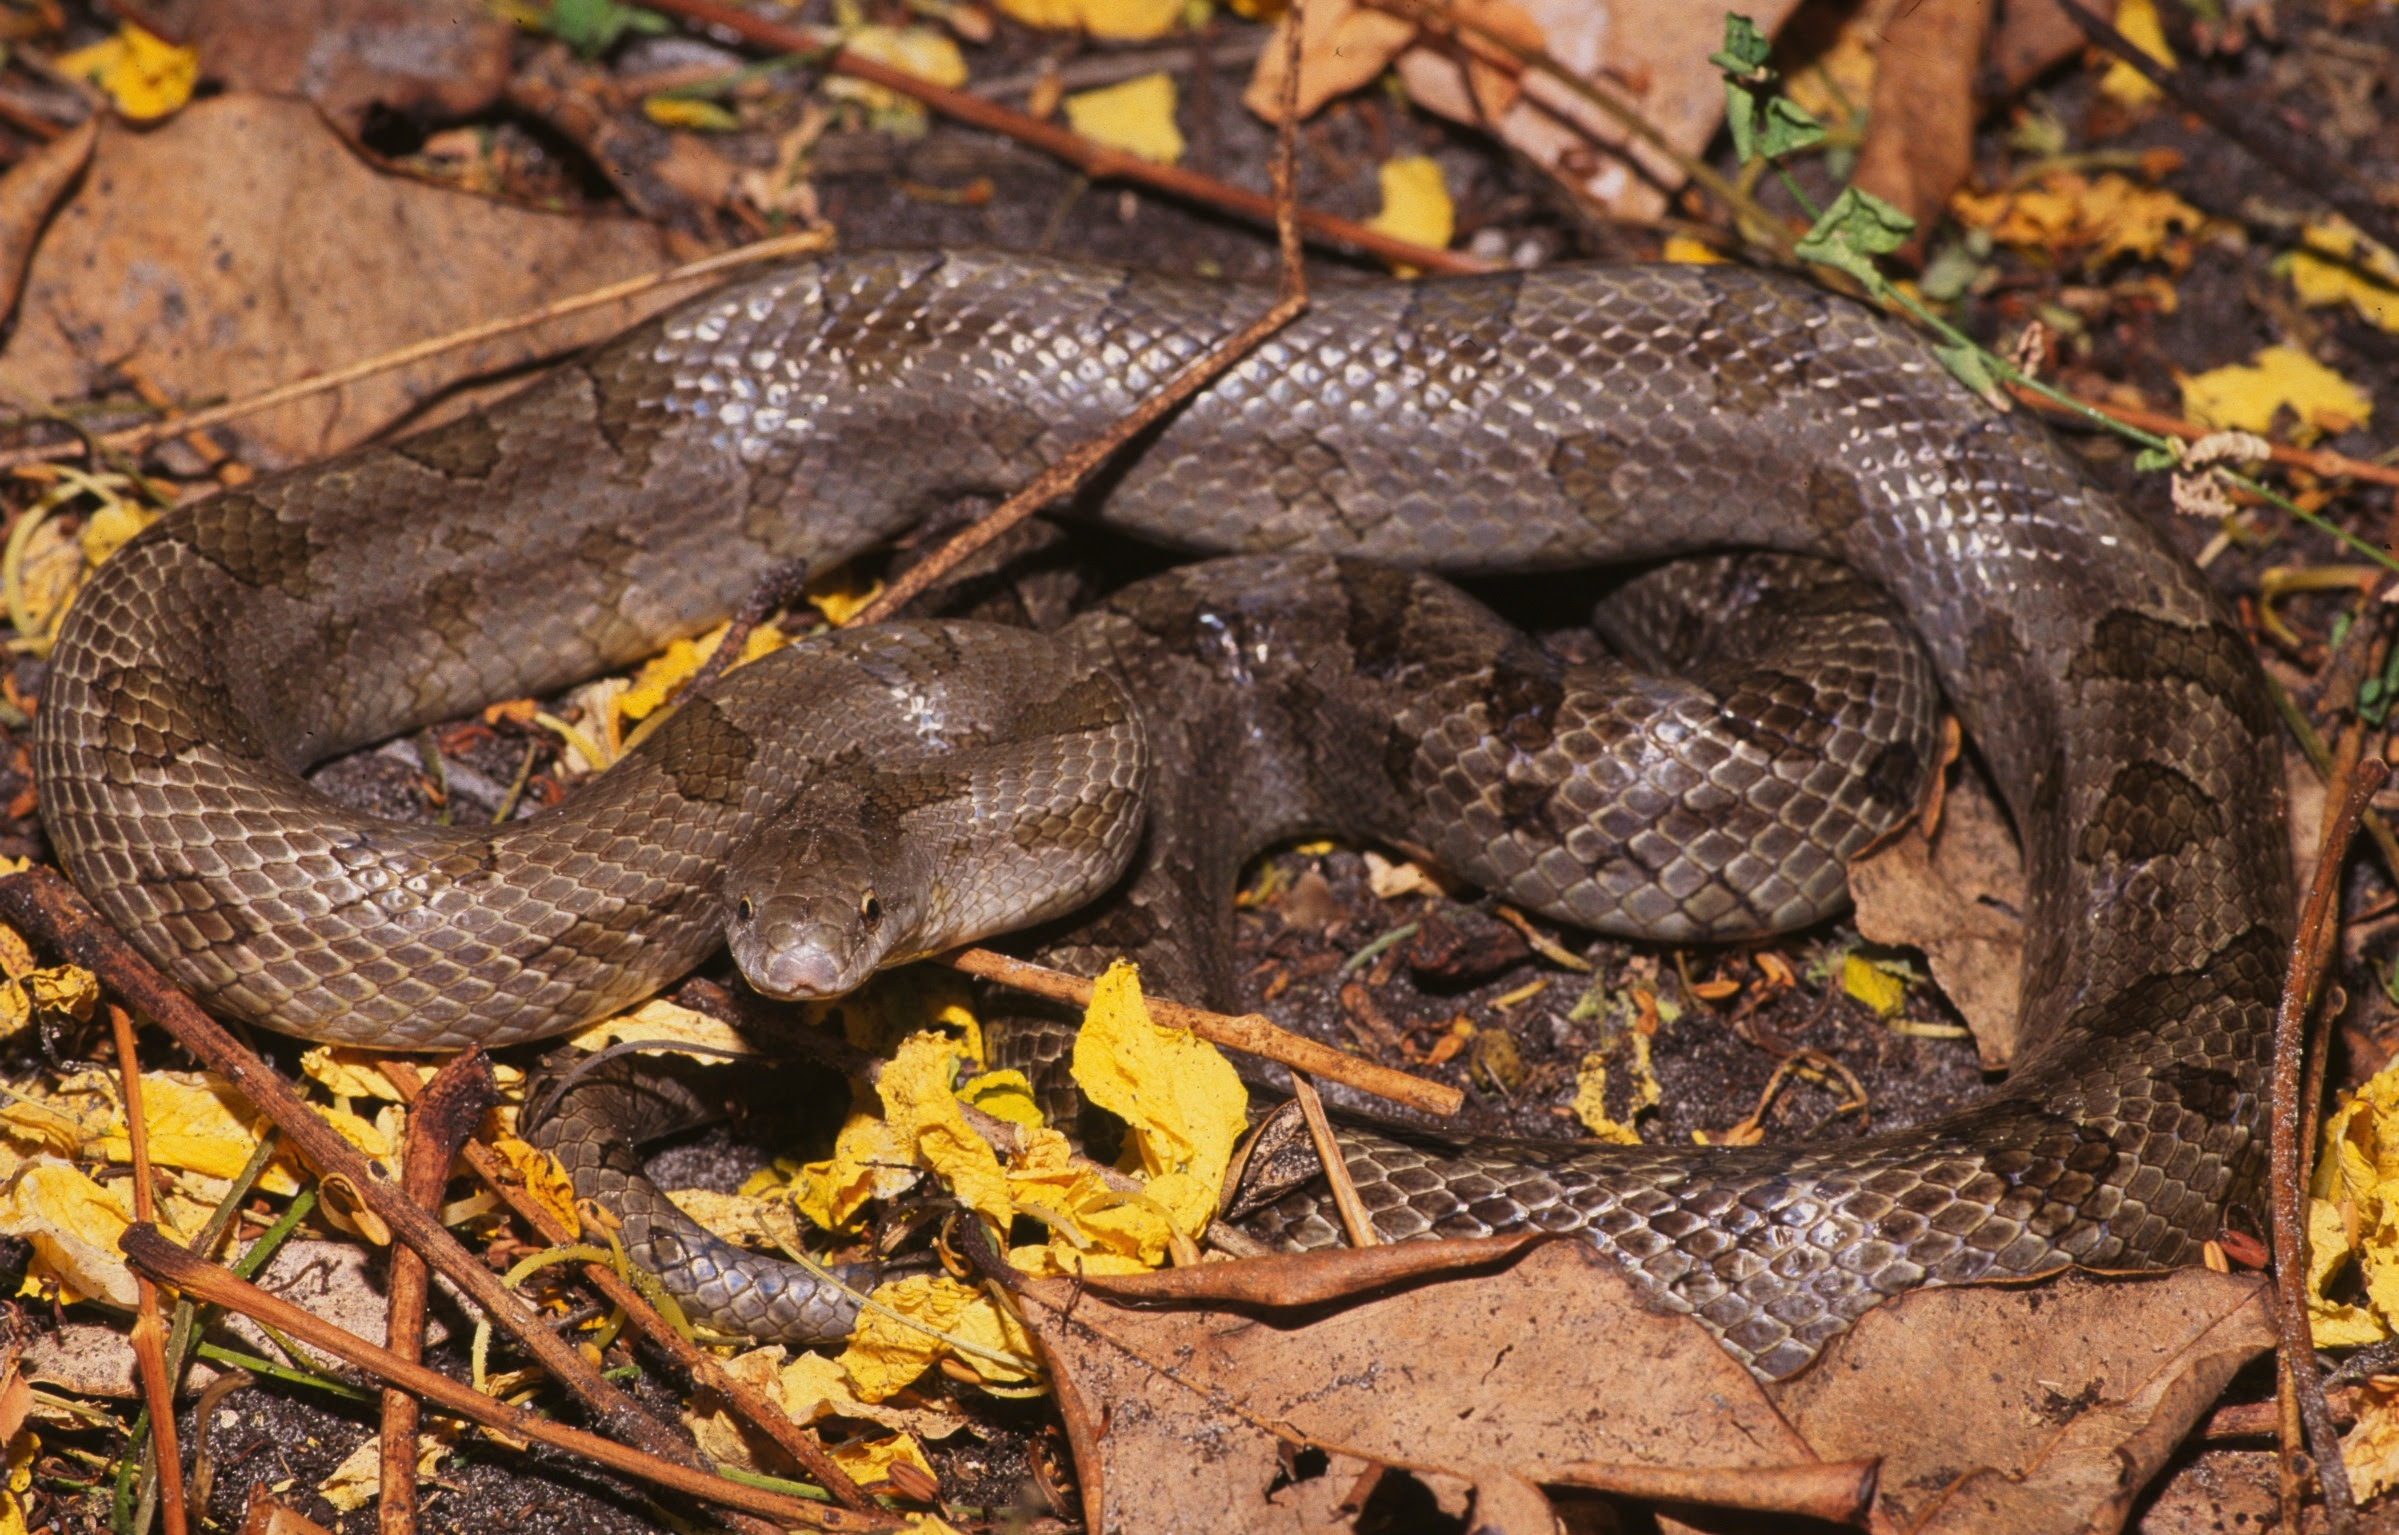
[871, 910]
[745, 911]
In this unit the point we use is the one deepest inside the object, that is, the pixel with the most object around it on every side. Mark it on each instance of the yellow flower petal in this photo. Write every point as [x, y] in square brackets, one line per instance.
[1124, 19]
[1416, 204]
[1137, 117]
[1880, 989]
[2249, 396]
[72, 1224]
[1181, 1098]
[544, 1179]
[2138, 21]
[144, 75]
[924, 1112]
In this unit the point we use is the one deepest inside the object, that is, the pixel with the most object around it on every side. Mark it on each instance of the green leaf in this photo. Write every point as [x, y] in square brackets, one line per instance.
[1745, 47]
[1858, 227]
[1746, 78]
[2150, 460]
[1789, 127]
[1972, 367]
[592, 27]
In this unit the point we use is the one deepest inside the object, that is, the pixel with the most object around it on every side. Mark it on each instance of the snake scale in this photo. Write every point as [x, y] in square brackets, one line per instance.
[1509, 423]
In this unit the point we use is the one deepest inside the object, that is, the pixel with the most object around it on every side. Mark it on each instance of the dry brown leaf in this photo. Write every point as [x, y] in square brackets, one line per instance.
[2034, 37]
[1920, 134]
[1950, 897]
[29, 191]
[1650, 54]
[1169, 1408]
[2027, 1409]
[1343, 45]
[438, 60]
[243, 245]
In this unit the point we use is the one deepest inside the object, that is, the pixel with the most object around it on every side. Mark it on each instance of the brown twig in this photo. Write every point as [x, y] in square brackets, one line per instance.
[169, 1264]
[1354, 1219]
[133, 439]
[703, 1367]
[1095, 160]
[2311, 951]
[1252, 1032]
[2303, 164]
[41, 903]
[439, 1122]
[2330, 466]
[149, 1333]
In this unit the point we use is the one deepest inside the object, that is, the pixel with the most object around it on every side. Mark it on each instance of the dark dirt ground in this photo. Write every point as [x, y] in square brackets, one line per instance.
[1298, 941]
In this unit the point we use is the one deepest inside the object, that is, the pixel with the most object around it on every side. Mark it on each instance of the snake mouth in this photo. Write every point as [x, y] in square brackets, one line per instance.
[803, 968]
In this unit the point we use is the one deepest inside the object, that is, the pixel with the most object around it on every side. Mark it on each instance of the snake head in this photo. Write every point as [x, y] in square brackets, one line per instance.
[812, 911]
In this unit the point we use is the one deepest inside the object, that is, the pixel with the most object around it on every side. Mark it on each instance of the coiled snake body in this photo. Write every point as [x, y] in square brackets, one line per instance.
[1494, 424]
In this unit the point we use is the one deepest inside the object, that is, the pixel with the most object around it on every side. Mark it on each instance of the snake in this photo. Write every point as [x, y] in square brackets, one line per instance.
[1522, 421]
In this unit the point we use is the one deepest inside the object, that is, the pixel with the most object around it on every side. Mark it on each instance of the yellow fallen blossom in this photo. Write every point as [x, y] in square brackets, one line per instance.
[870, 1461]
[840, 593]
[2094, 219]
[1137, 117]
[920, 51]
[347, 1072]
[658, 1022]
[111, 527]
[145, 76]
[1003, 1095]
[1181, 1099]
[2353, 1215]
[22, 1448]
[659, 676]
[694, 114]
[2249, 396]
[1877, 986]
[358, 1480]
[1126, 20]
[1416, 204]
[898, 1003]
[886, 1354]
[2138, 21]
[69, 989]
[1096, 1221]
[72, 1224]
[2336, 265]
[544, 1179]
[1591, 1093]
[870, 1161]
[925, 1116]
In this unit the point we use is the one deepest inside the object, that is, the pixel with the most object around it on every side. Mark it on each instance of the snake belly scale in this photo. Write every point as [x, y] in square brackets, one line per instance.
[1519, 422]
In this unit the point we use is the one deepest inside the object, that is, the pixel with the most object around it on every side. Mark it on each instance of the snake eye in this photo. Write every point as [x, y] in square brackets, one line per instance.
[870, 910]
[744, 911]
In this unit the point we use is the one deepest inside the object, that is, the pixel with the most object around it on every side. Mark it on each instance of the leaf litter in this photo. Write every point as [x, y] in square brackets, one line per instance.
[2089, 220]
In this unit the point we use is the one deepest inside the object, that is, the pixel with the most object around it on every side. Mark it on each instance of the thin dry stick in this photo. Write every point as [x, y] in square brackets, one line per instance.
[1252, 1032]
[139, 437]
[41, 903]
[439, 1123]
[169, 1264]
[2311, 951]
[1080, 462]
[702, 1366]
[149, 1334]
[1354, 1218]
[1095, 160]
